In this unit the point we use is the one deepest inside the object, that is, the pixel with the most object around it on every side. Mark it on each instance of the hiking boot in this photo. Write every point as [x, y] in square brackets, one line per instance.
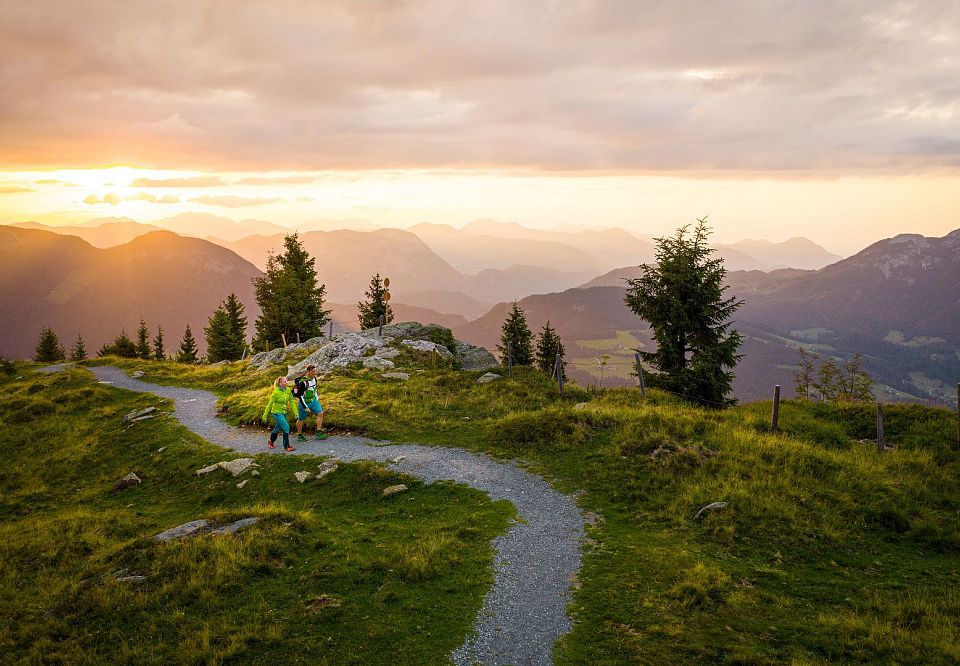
[301, 437]
[289, 448]
[321, 435]
[271, 444]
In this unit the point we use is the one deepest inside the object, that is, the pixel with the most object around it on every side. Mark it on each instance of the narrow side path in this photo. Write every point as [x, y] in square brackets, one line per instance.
[524, 612]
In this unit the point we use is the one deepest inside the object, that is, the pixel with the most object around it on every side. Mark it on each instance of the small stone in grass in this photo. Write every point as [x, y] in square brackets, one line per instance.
[243, 483]
[393, 490]
[303, 476]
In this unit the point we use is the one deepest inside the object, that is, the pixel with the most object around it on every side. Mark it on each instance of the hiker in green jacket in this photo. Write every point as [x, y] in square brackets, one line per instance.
[278, 406]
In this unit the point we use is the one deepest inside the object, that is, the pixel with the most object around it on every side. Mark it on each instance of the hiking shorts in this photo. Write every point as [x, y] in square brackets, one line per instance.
[281, 424]
[311, 407]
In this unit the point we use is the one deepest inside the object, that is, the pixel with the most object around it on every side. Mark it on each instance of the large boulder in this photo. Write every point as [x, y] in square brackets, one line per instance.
[471, 357]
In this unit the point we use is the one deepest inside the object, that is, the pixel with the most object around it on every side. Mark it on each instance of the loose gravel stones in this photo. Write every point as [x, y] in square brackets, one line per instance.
[524, 612]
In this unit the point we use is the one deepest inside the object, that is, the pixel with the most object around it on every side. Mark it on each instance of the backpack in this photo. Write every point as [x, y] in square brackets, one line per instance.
[299, 387]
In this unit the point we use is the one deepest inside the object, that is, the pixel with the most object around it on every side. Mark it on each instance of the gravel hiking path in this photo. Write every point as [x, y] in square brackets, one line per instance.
[535, 562]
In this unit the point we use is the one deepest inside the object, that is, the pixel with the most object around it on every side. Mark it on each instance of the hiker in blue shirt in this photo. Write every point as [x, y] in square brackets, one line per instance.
[305, 390]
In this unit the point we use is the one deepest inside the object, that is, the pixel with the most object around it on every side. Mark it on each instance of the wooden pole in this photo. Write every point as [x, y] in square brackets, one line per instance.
[298, 337]
[244, 355]
[380, 329]
[284, 338]
[558, 371]
[880, 443]
[643, 388]
[509, 359]
[775, 419]
[330, 330]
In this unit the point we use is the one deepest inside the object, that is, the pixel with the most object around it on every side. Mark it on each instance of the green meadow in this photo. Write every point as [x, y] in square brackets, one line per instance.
[826, 552]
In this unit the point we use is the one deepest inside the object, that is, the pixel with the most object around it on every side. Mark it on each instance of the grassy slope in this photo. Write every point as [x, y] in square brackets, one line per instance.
[826, 552]
[408, 572]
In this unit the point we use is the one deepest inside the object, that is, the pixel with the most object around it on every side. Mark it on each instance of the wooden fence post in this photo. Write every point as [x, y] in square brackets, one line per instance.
[298, 337]
[880, 443]
[775, 419]
[284, 338]
[643, 388]
[380, 329]
[330, 330]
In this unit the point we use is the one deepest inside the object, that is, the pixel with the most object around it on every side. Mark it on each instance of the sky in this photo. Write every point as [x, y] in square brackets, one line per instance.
[835, 121]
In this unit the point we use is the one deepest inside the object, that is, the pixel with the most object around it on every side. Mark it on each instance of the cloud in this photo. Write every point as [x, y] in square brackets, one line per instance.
[589, 86]
[194, 181]
[152, 198]
[15, 190]
[277, 180]
[233, 201]
[111, 198]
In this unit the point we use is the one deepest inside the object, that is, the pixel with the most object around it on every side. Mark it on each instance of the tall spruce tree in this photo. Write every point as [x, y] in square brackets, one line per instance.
[219, 337]
[121, 346]
[49, 347]
[289, 297]
[79, 351]
[375, 306]
[516, 335]
[143, 341]
[188, 348]
[238, 326]
[159, 353]
[548, 346]
[682, 298]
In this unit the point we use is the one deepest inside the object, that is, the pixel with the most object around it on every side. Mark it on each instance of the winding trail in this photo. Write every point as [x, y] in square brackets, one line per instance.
[535, 562]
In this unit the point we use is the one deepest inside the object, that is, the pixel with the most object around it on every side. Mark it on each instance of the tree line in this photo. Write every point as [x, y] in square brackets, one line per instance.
[291, 305]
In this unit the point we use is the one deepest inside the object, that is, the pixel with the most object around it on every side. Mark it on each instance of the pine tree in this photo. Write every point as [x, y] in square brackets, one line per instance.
[122, 346]
[548, 346]
[159, 353]
[682, 298]
[218, 335]
[290, 300]
[238, 326]
[49, 347]
[188, 348]
[375, 306]
[79, 351]
[143, 341]
[516, 335]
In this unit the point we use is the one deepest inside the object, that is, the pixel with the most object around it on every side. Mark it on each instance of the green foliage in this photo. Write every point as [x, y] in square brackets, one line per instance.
[225, 331]
[682, 298]
[406, 576]
[143, 341]
[442, 336]
[814, 516]
[515, 335]
[549, 345]
[6, 366]
[159, 353]
[844, 383]
[121, 346]
[79, 351]
[188, 348]
[803, 379]
[290, 300]
[49, 348]
[376, 305]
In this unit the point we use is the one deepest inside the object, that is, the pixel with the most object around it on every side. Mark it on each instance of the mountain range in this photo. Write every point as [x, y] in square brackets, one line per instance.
[896, 301]
[63, 282]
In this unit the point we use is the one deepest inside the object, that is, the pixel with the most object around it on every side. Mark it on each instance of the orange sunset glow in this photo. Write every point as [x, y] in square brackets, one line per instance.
[840, 128]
